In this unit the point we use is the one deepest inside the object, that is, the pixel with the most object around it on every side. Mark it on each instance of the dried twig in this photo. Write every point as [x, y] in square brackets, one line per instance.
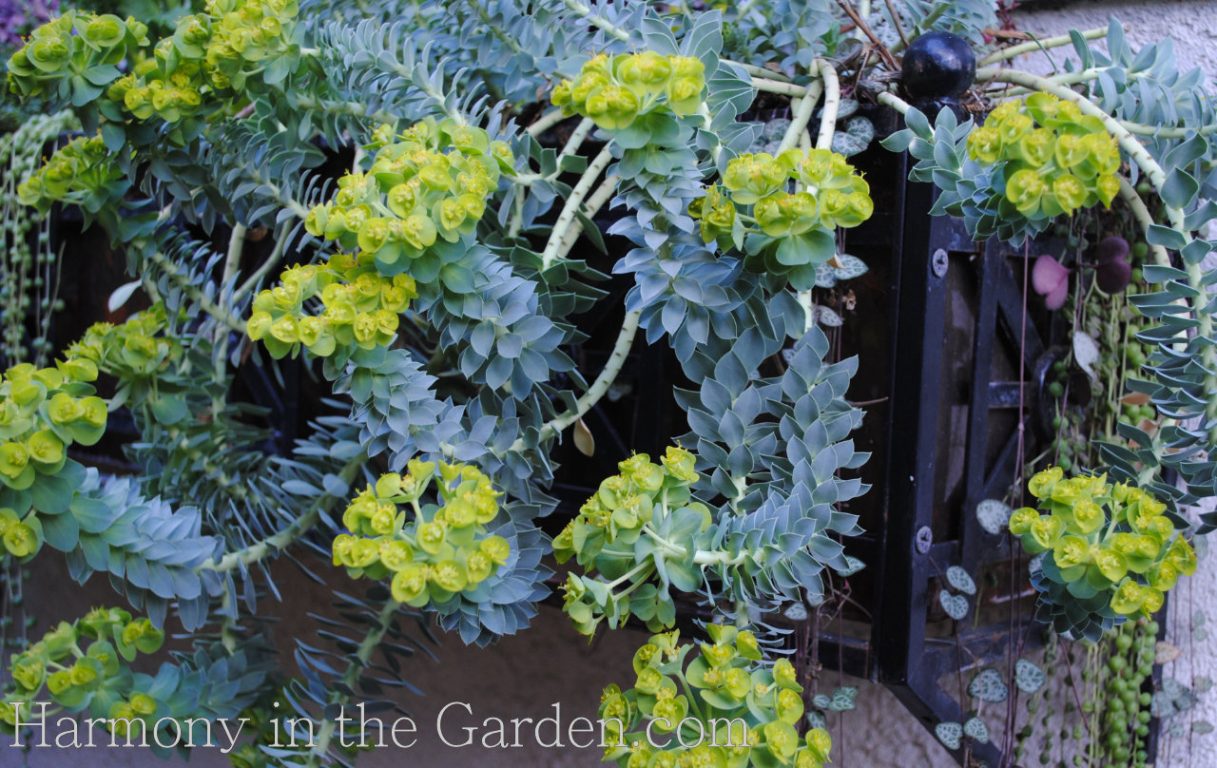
[884, 53]
[891, 11]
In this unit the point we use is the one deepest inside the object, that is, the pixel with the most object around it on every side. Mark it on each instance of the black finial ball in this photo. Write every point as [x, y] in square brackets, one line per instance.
[938, 65]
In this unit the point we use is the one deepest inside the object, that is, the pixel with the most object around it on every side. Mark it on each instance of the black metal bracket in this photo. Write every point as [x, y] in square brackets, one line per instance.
[921, 539]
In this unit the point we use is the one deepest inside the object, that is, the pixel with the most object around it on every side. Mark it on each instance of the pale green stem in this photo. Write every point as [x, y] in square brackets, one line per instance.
[594, 203]
[1164, 132]
[1031, 46]
[702, 557]
[577, 195]
[517, 216]
[232, 259]
[276, 543]
[545, 122]
[602, 24]
[832, 103]
[1141, 213]
[760, 72]
[809, 310]
[774, 86]
[599, 387]
[803, 111]
[889, 99]
[637, 569]
[577, 137]
[497, 31]
[864, 14]
[295, 206]
[261, 271]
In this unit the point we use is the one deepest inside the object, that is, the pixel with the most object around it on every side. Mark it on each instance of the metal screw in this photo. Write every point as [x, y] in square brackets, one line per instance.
[923, 540]
[939, 263]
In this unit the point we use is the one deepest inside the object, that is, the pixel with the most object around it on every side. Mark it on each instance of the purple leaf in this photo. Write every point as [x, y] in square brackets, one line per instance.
[1050, 280]
[1113, 272]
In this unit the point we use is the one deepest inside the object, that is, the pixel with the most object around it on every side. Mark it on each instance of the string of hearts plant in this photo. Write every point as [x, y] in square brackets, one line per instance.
[436, 288]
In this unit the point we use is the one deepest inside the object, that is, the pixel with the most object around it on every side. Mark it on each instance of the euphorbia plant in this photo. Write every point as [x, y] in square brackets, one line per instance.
[436, 285]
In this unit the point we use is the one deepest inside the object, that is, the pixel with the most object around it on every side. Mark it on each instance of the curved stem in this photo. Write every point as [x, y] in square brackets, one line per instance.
[621, 350]
[596, 21]
[545, 122]
[232, 260]
[1143, 217]
[577, 136]
[261, 271]
[864, 14]
[1032, 46]
[802, 114]
[1165, 132]
[774, 86]
[594, 203]
[761, 72]
[832, 103]
[889, 99]
[577, 195]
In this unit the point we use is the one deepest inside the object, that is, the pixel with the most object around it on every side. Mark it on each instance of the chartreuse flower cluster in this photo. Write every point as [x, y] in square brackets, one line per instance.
[615, 91]
[784, 232]
[137, 348]
[429, 182]
[1054, 159]
[432, 552]
[724, 707]
[360, 307]
[81, 666]
[83, 172]
[210, 53]
[641, 523]
[73, 56]
[1109, 545]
